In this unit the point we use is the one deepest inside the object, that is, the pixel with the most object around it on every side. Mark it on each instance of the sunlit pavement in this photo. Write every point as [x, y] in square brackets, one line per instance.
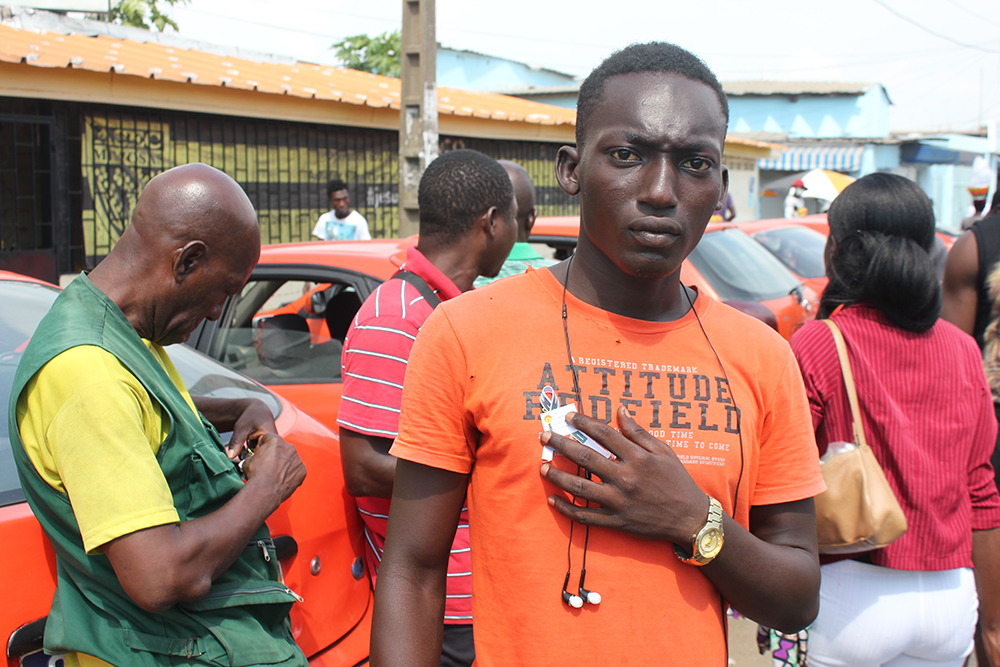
[743, 645]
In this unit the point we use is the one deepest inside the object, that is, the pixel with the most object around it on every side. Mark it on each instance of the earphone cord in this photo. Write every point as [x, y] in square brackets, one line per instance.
[739, 429]
[576, 388]
[569, 353]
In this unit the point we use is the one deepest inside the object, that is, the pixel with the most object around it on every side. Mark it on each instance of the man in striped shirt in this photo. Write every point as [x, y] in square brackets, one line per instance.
[467, 228]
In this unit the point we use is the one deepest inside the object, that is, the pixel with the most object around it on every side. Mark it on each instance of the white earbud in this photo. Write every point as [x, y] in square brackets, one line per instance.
[591, 597]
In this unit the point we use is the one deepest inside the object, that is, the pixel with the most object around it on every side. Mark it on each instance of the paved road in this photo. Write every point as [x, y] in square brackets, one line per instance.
[743, 645]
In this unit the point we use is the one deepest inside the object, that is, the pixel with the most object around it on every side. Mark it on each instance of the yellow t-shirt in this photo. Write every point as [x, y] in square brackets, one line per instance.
[92, 431]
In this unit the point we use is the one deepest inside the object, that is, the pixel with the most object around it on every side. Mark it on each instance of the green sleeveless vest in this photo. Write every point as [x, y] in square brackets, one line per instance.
[244, 618]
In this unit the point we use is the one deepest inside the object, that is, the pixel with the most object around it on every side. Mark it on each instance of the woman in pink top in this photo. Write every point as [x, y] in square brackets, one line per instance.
[928, 417]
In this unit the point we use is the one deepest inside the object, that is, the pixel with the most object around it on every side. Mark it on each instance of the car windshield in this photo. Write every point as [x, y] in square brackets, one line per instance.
[24, 305]
[798, 248]
[740, 269]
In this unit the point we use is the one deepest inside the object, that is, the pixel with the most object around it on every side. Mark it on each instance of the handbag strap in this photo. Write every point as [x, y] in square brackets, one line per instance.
[852, 394]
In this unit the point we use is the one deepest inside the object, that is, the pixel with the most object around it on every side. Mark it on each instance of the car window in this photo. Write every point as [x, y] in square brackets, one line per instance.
[204, 376]
[24, 306]
[740, 269]
[287, 331]
[798, 248]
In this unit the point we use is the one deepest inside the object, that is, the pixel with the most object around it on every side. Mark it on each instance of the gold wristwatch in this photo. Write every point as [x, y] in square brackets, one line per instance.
[707, 542]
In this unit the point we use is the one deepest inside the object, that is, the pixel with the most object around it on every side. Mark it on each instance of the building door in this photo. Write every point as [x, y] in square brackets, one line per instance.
[26, 195]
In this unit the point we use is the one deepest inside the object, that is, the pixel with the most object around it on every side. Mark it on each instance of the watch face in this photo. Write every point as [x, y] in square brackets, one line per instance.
[710, 542]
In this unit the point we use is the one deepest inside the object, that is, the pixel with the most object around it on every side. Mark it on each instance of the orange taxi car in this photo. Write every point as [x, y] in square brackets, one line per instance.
[286, 328]
[317, 531]
[798, 243]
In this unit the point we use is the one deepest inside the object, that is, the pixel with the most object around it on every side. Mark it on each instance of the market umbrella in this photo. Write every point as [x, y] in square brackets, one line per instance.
[820, 184]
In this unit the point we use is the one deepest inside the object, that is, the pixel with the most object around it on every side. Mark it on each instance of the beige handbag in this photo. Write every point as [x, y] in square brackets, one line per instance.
[858, 511]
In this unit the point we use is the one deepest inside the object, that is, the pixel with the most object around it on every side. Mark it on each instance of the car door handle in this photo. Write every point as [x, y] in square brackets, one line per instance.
[285, 546]
[26, 638]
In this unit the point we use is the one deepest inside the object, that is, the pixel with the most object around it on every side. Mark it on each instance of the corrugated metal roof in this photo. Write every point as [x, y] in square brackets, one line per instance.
[737, 88]
[744, 141]
[127, 57]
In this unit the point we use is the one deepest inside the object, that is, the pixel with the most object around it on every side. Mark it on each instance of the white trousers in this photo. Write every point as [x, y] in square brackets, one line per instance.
[871, 616]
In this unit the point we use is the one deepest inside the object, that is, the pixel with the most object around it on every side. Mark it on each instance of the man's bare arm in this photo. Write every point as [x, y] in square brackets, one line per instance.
[986, 559]
[410, 594]
[770, 573]
[960, 292]
[161, 566]
[369, 468]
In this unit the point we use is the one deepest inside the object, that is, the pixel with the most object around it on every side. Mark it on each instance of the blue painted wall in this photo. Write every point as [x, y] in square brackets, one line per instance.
[812, 117]
[476, 71]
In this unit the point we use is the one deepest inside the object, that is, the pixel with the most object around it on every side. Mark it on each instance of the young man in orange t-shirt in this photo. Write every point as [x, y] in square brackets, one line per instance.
[709, 498]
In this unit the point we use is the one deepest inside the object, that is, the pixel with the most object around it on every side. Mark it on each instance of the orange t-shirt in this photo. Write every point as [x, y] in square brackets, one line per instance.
[471, 402]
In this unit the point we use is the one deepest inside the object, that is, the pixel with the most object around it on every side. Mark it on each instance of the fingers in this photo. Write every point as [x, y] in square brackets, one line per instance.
[278, 459]
[621, 442]
[637, 434]
[646, 491]
[602, 433]
[255, 418]
[582, 488]
[587, 516]
[575, 485]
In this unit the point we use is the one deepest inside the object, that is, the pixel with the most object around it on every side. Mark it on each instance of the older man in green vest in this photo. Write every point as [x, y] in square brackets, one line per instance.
[148, 514]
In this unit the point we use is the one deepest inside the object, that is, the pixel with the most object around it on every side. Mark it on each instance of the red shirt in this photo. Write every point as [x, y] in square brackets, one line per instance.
[376, 351]
[929, 419]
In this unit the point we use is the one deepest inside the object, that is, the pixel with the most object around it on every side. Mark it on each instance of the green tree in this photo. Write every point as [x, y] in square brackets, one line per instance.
[378, 55]
[142, 14]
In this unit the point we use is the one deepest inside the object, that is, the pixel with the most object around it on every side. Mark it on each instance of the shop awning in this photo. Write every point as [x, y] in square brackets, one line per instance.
[834, 158]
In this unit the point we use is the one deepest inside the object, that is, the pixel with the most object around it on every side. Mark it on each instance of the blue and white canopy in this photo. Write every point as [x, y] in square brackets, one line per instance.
[834, 158]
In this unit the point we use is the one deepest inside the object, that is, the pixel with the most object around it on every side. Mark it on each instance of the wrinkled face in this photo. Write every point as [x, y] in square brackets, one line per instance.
[650, 171]
[340, 202]
[203, 293]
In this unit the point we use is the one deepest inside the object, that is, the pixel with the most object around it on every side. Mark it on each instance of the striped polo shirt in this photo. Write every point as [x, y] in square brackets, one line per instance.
[376, 350]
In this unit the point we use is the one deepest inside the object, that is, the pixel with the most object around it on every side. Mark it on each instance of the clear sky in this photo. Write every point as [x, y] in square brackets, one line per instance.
[944, 81]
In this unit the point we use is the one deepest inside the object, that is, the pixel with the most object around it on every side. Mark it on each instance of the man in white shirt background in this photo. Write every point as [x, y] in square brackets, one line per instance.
[340, 223]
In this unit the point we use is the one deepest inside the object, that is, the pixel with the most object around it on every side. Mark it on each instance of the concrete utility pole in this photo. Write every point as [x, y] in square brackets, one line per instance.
[418, 114]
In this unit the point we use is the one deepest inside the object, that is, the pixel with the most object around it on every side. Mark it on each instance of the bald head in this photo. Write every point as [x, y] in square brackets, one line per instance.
[192, 243]
[524, 193]
[193, 202]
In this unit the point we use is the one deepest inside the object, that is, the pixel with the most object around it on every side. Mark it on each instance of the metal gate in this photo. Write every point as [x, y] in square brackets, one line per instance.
[27, 156]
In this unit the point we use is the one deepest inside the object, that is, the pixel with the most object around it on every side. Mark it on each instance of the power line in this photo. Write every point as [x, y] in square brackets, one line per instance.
[969, 11]
[265, 24]
[932, 32]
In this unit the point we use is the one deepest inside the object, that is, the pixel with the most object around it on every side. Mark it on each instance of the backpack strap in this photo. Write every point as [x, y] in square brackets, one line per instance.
[421, 285]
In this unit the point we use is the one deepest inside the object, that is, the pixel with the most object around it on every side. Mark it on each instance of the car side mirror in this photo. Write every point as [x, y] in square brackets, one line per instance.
[318, 302]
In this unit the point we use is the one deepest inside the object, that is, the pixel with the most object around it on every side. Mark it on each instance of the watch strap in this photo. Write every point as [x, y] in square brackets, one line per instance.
[714, 520]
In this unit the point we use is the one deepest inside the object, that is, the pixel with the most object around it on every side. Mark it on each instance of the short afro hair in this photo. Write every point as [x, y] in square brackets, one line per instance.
[458, 187]
[336, 185]
[655, 57]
